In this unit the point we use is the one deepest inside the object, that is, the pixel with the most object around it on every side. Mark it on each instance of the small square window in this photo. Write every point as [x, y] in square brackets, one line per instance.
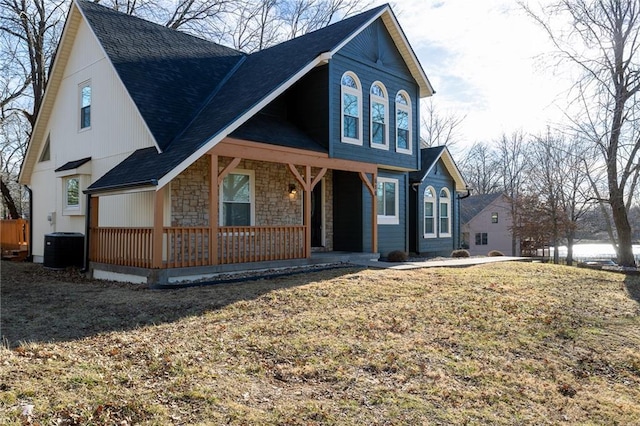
[481, 239]
[494, 217]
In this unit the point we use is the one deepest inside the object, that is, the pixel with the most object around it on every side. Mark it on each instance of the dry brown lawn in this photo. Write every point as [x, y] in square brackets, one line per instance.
[507, 343]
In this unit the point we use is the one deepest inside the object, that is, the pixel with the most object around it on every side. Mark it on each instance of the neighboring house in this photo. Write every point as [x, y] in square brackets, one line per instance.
[434, 200]
[170, 151]
[486, 225]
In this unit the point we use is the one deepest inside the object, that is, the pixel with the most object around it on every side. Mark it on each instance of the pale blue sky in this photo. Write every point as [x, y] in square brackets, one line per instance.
[487, 61]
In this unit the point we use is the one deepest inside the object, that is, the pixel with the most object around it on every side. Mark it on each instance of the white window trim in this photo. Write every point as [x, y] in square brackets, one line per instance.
[86, 83]
[434, 200]
[358, 93]
[252, 196]
[390, 220]
[384, 101]
[407, 109]
[73, 210]
[448, 203]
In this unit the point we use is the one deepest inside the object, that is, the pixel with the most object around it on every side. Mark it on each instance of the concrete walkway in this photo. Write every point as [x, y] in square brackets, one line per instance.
[448, 263]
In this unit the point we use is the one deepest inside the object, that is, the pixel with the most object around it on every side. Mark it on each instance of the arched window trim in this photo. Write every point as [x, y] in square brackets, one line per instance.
[400, 109]
[434, 223]
[383, 100]
[441, 201]
[346, 90]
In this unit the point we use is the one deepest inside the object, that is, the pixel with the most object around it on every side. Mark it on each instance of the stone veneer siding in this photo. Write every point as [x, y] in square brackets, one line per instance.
[274, 206]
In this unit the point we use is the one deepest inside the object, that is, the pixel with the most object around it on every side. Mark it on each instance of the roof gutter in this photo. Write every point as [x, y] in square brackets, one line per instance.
[120, 187]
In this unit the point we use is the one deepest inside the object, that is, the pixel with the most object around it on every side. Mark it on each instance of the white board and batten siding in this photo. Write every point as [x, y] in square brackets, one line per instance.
[116, 131]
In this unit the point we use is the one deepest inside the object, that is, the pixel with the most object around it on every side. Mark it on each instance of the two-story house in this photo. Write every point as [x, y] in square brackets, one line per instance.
[170, 152]
[486, 224]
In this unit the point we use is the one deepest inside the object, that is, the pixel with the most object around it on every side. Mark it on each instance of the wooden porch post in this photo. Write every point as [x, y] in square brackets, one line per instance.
[371, 186]
[158, 228]
[213, 209]
[94, 210]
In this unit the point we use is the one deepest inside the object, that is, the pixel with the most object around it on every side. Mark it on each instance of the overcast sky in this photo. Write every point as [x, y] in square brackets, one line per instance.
[487, 61]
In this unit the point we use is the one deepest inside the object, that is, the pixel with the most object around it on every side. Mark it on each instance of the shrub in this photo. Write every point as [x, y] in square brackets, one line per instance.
[397, 256]
[460, 253]
[494, 253]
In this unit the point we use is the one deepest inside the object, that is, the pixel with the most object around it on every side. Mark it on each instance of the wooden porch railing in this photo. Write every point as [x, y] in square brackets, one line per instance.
[239, 244]
[14, 234]
[189, 246]
[121, 246]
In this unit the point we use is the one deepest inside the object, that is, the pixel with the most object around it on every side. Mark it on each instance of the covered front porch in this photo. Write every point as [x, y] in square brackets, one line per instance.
[192, 233]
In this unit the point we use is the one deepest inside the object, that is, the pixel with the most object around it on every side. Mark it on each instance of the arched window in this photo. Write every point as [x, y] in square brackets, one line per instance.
[379, 116]
[403, 123]
[429, 212]
[445, 213]
[351, 100]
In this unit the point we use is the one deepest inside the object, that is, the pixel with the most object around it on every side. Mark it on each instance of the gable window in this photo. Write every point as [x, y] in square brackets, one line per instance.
[494, 217]
[46, 151]
[388, 201]
[237, 199]
[379, 116]
[481, 239]
[445, 213]
[429, 212]
[85, 105]
[72, 193]
[351, 101]
[403, 123]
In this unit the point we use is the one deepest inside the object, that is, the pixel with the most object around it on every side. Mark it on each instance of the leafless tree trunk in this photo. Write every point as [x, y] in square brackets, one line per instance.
[603, 41]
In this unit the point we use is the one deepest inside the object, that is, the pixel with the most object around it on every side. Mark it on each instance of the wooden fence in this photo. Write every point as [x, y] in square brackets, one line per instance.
[190, 246]
[14, 234]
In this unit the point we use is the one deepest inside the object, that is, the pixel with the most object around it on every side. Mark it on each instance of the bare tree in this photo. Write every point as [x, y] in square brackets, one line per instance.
[481, 171]
[603, 41]
[439, 128]
[513, 163]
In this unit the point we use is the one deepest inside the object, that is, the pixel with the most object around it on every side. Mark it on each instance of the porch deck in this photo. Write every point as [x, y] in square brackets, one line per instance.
[177, 277]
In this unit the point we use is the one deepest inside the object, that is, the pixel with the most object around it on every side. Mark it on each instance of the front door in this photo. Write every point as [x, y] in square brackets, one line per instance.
[317, 216]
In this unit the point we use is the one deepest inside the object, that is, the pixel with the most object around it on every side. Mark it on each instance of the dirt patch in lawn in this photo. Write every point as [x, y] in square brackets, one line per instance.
[507, 343]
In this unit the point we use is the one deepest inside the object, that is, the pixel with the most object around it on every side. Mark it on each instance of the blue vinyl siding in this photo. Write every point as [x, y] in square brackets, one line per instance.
[438, 178]
[372, 56]
[390, 237]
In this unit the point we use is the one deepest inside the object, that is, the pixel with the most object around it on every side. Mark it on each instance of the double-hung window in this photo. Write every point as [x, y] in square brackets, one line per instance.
[403, 123]
[481, 239]
[379, 116]
[351, 103]
[85, 105]
[445, 213]
[237, 199]
[388, 201]
[429, 212]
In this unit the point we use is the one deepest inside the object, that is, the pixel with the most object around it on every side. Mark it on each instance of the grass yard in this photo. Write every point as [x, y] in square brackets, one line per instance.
[506, 343]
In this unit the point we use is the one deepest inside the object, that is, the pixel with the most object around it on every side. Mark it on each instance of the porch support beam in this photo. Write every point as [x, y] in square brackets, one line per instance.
[319, 176]
[232, 165]
[214, 184]
[230, 147]
[374, 207]
[158, 225]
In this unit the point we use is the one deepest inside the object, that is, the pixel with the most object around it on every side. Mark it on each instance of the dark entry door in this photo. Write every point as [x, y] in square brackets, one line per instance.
[316, 216]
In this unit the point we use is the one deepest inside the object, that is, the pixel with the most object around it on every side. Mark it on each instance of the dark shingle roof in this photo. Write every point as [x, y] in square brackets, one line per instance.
[471, 206]
[169, 74]
[73, 164]
[428, 156]
[219, 93]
